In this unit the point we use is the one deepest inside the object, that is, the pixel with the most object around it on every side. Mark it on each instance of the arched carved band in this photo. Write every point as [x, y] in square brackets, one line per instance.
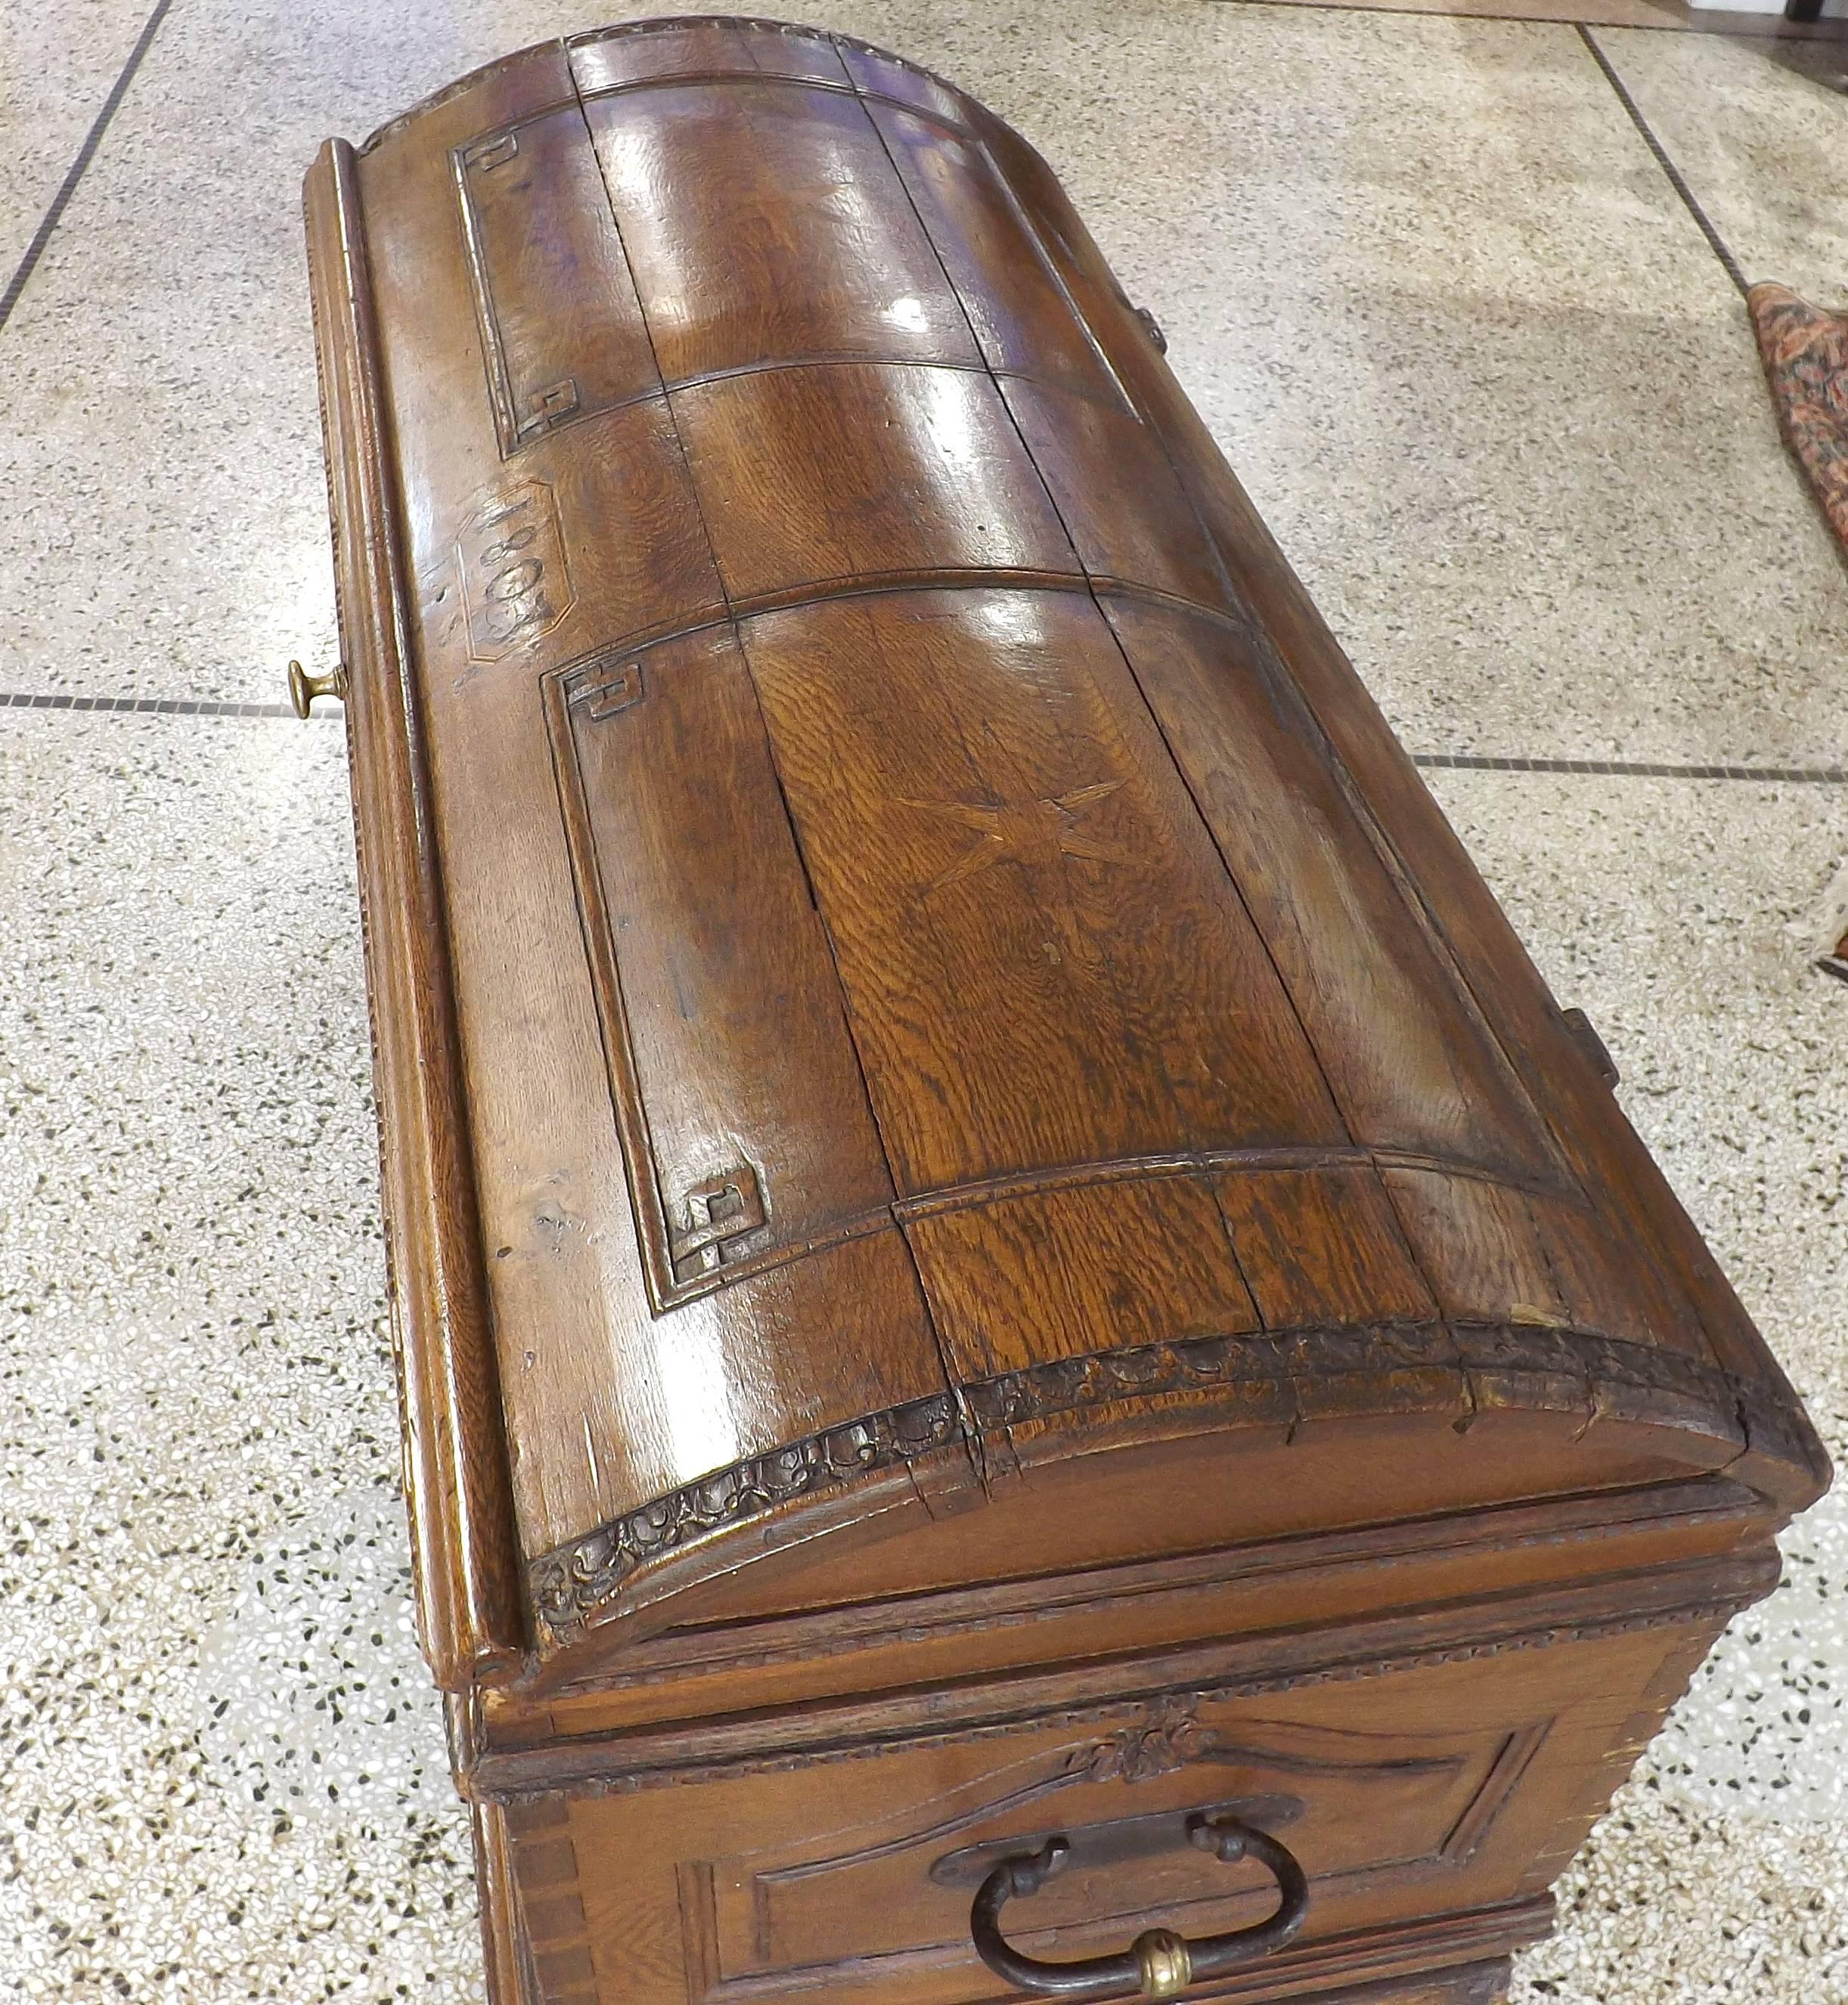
[1286, 1379]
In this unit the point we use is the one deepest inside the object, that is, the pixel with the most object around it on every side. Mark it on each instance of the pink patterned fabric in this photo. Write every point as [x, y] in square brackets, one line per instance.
[1805, 352]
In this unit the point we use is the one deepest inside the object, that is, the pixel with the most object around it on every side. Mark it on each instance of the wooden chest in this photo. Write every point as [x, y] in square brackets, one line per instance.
[1003, 1271]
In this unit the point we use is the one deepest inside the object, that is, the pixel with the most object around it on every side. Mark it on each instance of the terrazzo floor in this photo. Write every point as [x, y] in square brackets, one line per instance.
[1480, 367]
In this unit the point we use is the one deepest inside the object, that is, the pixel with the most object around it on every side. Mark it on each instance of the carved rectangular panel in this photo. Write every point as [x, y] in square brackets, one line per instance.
[744, 1121]
[562, 332]
[1364, 1806]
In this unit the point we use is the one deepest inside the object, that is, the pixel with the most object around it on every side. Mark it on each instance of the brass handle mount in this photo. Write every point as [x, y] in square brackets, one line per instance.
[1159, 1963]
[304, 687]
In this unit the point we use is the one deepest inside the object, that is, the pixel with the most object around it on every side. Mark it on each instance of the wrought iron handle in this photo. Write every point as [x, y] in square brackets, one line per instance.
[1159, 1963]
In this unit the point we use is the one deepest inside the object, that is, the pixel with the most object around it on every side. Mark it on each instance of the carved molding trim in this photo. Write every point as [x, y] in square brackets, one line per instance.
[514, 1775]
[1283, 1379]
[570, 1583]
[1167, 1738]
[798, 1638]
[626, 31]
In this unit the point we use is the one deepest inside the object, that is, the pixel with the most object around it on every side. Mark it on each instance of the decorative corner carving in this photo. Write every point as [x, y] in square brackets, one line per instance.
[602, 686]
[546, 408]
[715, 1217]
[487, 154]
[523, 236]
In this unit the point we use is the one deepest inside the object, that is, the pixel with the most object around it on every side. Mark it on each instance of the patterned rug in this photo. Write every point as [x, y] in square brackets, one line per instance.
[1805, 351]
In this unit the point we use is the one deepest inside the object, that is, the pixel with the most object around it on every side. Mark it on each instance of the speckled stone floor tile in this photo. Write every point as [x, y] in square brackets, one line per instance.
[168, 331]
[1456, 331]
[1630, 13]
[1483, 377]
[225, 1776]
[1676, 913]
[1759, 130]
[56, 67]
[1490, 387]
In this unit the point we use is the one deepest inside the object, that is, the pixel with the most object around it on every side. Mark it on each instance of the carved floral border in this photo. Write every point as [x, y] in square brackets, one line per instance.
[1288, 1378]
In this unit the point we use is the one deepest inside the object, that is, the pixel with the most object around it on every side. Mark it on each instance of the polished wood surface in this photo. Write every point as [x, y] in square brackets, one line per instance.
[963, 1145]
[1419, 1790]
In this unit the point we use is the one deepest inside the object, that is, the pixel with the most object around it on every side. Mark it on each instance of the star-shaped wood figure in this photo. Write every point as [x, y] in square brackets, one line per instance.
[1034, 832]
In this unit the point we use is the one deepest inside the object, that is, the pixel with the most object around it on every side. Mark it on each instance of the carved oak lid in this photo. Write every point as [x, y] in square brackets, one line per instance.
[925, 1023]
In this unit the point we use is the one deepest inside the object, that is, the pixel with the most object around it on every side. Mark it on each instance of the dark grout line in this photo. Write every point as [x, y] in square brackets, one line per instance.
[1633, 769]
[1458, 762]
[92, 139]
[151, 706]
[1766, 27]
[1715, 241]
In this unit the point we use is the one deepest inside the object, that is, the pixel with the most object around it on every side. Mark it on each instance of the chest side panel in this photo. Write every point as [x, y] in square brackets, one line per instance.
[1415, 1800]
[1666, 1282]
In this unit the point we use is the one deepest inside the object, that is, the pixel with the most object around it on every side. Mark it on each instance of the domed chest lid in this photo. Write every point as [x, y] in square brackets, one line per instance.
[925, 1025]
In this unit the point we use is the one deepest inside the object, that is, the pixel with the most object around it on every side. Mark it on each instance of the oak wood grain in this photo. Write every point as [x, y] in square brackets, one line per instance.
[470, 1617]
[770, 170]
[987, 1222]
[1033, 929]
[927, 473]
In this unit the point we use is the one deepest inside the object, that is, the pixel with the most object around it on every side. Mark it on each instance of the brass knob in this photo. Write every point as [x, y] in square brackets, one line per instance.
[1163, 1963]
[304, 687]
